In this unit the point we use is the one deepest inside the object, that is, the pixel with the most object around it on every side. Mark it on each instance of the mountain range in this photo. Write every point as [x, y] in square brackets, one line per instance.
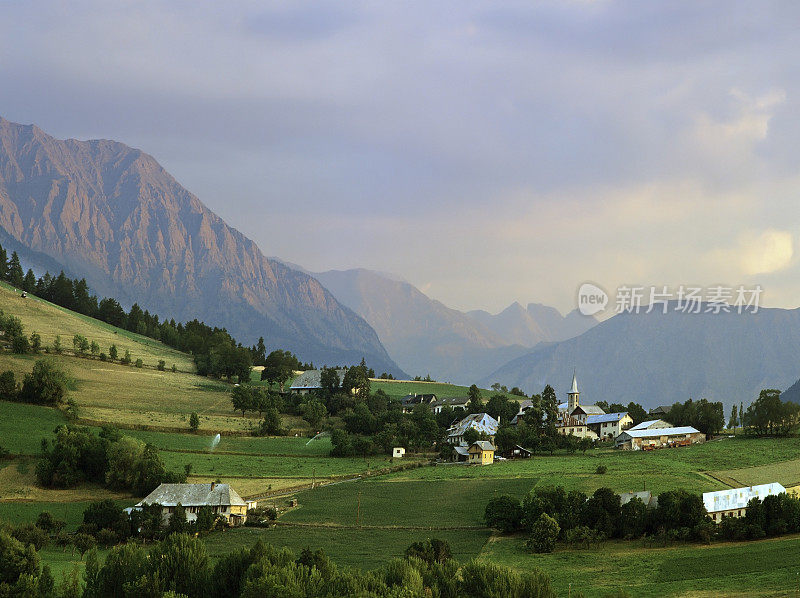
[427, 337]
[660, 358]
[110, 213]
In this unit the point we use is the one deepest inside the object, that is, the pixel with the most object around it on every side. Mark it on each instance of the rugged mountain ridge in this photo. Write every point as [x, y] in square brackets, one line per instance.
[111, 213]
[658, 359]
[535, 324]
[427, 337]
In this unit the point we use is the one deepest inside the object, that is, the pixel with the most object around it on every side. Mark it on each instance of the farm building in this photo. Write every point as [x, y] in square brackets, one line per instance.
[482, 422]
[658, 438]
[660, 411]
[733, 502]
[398, 452]
[481, 452]
[410, 401]
[309, 381]
[454, 403]
[652, 424]
[609, 425]
[518, 452]
[223, 500]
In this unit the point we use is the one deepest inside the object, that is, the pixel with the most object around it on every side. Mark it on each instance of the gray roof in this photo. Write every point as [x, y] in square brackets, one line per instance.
[484, 445]
[462, 450]
[656, 432]
[650, 424]
[590, 409]
[193, 495]
[310, 379]
[605, 418]
[451, 401]
[644, 495]
[417, 399]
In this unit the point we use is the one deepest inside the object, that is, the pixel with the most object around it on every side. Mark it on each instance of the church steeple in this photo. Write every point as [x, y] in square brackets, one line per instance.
[573, 396]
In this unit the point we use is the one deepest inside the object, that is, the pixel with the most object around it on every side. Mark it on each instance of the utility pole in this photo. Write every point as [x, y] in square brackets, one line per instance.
[358, 510]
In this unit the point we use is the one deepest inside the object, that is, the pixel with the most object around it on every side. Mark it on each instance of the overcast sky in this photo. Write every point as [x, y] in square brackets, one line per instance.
[487, 152]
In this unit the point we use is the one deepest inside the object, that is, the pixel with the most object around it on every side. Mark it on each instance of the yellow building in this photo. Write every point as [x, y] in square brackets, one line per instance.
[481, 453]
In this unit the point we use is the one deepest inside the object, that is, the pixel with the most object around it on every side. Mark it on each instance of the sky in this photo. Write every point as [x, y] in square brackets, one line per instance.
[487, 152]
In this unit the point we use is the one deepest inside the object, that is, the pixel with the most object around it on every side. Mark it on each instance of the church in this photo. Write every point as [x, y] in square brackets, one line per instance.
[589, 421]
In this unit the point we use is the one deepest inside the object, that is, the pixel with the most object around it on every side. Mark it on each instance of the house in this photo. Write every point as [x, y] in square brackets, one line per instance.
[518, 452]
[733, 502]
[609, 425]
[650, 501]
[481, 452]
[660, 411]
[572, 425]
[454, 403]
[652, 424]
[398, 452]
[223, 500]
[482, 422]
[410, 401]
[658, 438]
[309, 381]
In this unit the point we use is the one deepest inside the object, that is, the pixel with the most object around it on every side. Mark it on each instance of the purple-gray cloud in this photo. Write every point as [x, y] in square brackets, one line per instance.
[487, 152]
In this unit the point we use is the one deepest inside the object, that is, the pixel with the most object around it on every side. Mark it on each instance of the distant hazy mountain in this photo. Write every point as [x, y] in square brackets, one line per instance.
[657, 359]
[421, 334]
[538, 323]
[111, 213]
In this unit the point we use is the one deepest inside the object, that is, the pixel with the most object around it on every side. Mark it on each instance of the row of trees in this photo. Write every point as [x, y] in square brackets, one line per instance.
[119, 462]
[576, 518]
[180, 566]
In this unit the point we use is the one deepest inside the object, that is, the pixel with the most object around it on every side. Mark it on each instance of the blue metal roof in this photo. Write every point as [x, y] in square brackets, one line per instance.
[605, 418]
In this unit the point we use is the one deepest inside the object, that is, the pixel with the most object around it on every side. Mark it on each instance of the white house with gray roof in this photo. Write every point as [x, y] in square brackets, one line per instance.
[221, 498]
[482, 422]
[310, 380]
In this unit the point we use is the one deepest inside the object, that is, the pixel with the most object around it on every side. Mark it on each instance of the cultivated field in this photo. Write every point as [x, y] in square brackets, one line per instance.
[49, 320]
[131, 397]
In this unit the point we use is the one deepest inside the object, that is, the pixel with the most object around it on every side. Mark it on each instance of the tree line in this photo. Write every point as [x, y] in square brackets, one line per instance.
[215, 351]
[549, 514]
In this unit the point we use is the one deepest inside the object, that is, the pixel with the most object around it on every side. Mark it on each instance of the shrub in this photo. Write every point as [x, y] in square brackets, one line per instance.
[103, 357]
[46, 385]
[162, 365]
[36, 342]
[139, 363]
[503, 513]
[544, 534]
[31, 534]
[20, 344]
[194, 422]
[112, 352]
[8, 386]
[126, 359]
[601, 469]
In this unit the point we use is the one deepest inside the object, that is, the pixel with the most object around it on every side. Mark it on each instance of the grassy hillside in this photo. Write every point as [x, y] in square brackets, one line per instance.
[50, 320]
[401, 388]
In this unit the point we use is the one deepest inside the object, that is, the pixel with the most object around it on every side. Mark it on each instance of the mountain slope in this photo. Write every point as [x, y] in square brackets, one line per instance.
[657, 359]
[422, 334]
[111, 213]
